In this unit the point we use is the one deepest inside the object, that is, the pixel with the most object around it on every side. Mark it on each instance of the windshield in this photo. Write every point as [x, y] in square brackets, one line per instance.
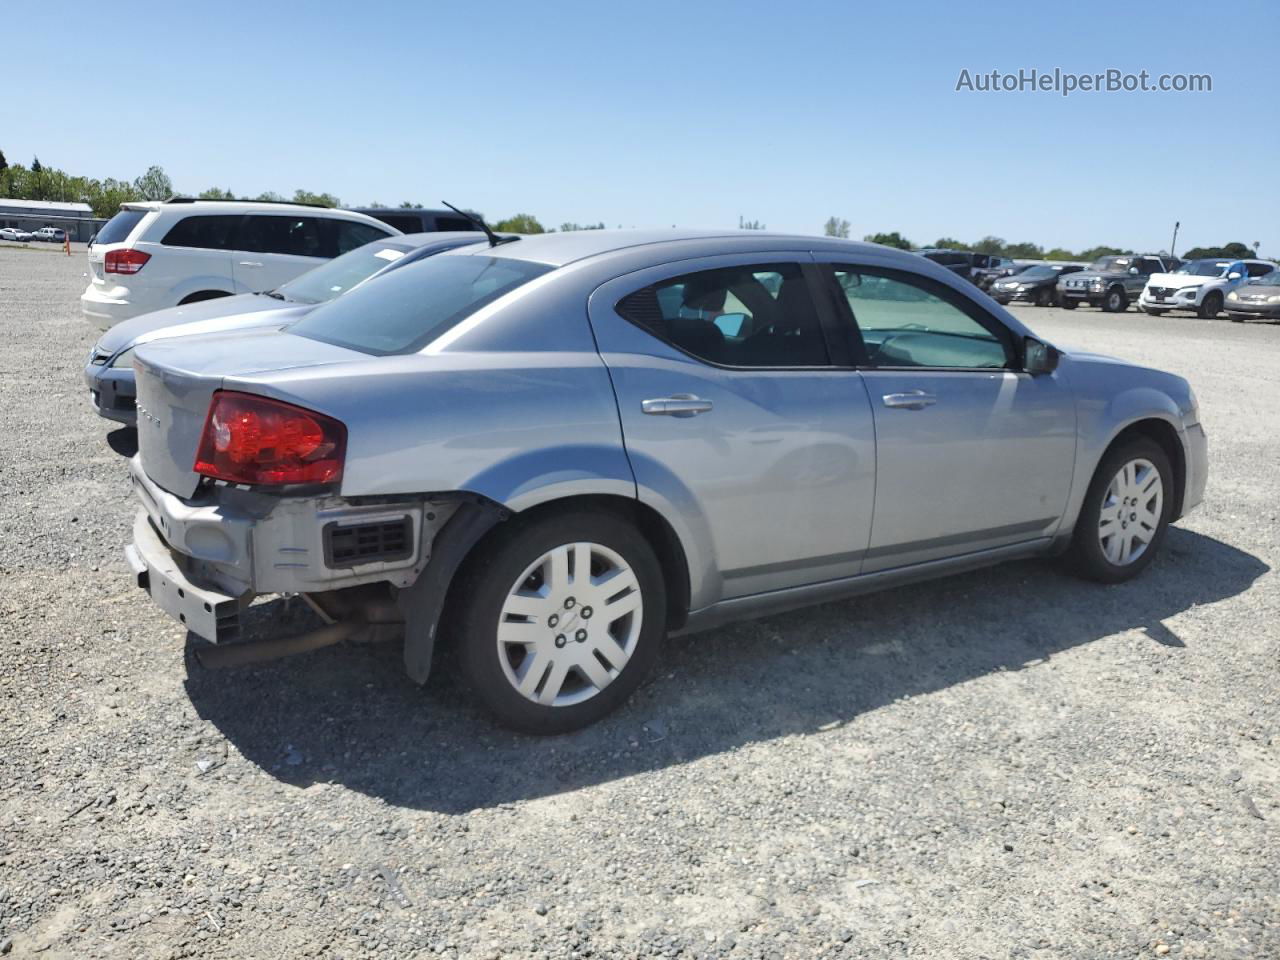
[1111, 264]
[1037, 273]
[1204, 268]
[337, 276]
[410, 307]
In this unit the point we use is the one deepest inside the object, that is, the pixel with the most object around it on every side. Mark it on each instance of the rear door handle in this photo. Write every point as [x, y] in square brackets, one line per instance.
[911, 400]
[678, 405]
[250, 263]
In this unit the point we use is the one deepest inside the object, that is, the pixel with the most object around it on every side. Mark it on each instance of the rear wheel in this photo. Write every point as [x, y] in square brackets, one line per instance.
[559, 619]
[1210, 306]
[1044, 297]
[1116, 300]
[1067, 304]
[1125, 513]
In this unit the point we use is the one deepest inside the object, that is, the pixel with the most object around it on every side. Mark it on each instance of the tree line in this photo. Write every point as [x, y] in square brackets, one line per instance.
[104, 197]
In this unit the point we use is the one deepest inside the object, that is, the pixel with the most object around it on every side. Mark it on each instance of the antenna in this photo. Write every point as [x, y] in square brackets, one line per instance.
[494, 239]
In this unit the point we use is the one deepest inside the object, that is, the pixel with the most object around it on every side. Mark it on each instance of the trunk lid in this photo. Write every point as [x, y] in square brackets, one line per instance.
[176, 379]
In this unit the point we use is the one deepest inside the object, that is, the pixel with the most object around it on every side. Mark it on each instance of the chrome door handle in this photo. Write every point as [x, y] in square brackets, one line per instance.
[911, 400]
[250, 263]
[679, 405]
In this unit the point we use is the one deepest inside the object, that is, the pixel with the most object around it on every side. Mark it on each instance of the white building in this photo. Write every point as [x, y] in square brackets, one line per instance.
[30, 215]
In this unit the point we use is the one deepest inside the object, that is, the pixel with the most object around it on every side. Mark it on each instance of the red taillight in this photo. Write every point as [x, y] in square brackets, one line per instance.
[251, 439]
[124, 261]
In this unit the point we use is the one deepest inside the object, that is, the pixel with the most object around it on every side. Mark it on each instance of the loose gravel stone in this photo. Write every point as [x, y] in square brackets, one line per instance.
[1010, 763]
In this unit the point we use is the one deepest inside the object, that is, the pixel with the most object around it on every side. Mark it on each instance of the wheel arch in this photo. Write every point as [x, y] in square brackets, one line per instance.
[1165, 435]
[199, 296]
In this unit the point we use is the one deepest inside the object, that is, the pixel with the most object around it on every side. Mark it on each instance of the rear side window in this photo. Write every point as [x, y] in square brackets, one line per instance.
[208, 232]
[409, 307]
[118, 228]
[749, 316]
[1258, 269]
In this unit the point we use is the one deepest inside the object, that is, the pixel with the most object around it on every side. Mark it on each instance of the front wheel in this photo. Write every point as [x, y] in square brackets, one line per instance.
[1067, 303]
[557, 620]
[1125, 513]
[1117, 301]
[1044, 297]
[1210, 306]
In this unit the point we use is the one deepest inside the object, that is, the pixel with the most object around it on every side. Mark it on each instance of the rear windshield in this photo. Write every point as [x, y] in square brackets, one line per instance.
[411, 306]
[339, 275]
[118, 228]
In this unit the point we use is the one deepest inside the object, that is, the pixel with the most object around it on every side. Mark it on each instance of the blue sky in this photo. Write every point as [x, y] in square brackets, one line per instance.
[691, 113]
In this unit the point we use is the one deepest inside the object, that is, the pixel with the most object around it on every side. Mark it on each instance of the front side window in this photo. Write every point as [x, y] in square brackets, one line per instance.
[209, 233]
[912, 322]
[414, 304]
[290, 235]
[352, 235]
[748, 316]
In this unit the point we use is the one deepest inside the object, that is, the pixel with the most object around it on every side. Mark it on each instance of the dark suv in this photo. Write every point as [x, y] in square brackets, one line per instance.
[418, 220]
[974, 267]
[1112, 282]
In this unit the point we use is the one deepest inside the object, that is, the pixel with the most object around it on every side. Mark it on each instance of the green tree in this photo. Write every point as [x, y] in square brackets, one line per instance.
[1024, 251]
[270, 196]
[154, 184]
[566, 227]
[410, 205]
[1093, 253]
[320, 199]
[894, 239]
[216, 193]
[749, 224]
[990, 245]
[1059, 253]
[36, 167]
[520, 223]
[1234, 251]
[949, 243]
[111, 194]
[836, 227]
[4, 164]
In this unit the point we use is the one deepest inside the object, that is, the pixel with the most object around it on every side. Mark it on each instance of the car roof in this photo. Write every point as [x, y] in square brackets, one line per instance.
[559, 249]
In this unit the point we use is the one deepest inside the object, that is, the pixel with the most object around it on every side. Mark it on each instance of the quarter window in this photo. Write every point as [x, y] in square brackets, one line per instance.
[748, 316]
[911, 322]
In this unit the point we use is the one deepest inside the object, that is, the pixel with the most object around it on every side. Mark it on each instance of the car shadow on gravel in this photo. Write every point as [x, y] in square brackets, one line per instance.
[348, 715]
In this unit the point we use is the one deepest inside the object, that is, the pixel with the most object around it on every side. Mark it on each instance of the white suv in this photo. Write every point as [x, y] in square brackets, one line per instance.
[1201, 286]
[152, 255]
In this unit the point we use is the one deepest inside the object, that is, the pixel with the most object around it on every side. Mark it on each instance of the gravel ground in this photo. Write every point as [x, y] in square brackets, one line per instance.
[1010, 763]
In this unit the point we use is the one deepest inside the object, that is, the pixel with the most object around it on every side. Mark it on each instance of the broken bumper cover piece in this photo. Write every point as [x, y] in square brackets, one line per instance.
[208, 613]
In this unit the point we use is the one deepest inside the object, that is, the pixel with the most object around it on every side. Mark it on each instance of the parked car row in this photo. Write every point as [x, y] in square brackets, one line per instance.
[549, 452]
[14, 234]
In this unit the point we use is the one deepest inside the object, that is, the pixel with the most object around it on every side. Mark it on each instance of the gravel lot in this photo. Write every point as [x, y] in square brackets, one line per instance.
[1011, 763]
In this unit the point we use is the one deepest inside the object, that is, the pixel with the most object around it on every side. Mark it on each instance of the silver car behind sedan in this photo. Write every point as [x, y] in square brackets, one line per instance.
[109, 370]
[551, 452]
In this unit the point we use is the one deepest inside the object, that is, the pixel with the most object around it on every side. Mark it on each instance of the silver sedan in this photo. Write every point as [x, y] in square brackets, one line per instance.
[551, 452]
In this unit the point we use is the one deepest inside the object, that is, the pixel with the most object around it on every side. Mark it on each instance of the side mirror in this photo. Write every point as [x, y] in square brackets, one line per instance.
[1133, 271]
[1233, 275]
[1038, 357]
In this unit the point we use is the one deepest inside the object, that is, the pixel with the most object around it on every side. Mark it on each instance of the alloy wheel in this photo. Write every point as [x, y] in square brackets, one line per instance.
[1131, 512]
[569, 624]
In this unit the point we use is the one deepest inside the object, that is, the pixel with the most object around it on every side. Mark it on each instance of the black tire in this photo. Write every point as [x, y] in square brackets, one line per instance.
[202, 296]
[1116, 300]
[1068, 304]
[1044, 297]
[1210, 306]
[1086, 556]
[482, 587]
[1152, 311]
[1234, 318]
